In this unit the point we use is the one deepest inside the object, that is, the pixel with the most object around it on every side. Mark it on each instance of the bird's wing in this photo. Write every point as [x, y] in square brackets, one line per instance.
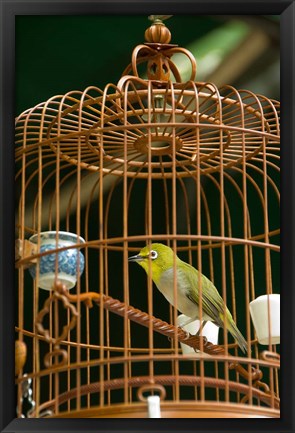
[212, 303]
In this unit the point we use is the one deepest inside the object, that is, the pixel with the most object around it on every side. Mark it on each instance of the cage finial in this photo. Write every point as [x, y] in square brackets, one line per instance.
[157, 51]
[158, 33]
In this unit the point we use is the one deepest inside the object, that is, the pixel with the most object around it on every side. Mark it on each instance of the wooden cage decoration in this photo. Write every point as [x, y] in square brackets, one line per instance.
[151, 159]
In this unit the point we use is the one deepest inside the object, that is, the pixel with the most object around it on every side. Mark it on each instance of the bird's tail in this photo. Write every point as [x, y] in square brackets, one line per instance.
[233, 329]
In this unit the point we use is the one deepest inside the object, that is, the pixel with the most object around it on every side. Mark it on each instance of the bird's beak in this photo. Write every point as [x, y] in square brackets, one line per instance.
[137, 258]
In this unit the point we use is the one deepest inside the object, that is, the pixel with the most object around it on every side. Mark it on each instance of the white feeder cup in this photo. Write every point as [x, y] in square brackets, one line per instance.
[265, 314]
[154, 410]
[210, 331]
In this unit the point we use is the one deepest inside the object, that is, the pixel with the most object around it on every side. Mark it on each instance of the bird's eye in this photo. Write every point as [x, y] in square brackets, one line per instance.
[154, 255]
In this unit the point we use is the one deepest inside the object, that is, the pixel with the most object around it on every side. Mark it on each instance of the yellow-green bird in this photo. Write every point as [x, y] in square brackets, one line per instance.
[162, 268]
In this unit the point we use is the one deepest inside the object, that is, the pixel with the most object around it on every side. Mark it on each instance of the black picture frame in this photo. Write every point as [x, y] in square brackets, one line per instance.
[9, 10]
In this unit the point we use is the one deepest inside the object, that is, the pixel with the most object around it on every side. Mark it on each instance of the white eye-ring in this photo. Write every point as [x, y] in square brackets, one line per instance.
[153, 255]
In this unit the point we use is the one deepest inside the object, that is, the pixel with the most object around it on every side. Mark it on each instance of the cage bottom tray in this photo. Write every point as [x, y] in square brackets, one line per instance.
[175, 410]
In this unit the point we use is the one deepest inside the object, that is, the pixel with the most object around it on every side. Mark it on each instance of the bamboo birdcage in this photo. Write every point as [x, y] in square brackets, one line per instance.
[152, 158]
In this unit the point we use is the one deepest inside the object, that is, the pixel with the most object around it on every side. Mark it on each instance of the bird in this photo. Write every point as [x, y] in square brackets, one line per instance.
[159, 260]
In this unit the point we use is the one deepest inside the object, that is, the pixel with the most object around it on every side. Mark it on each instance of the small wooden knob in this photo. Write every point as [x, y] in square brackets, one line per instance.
[20, 356]
[158, 33]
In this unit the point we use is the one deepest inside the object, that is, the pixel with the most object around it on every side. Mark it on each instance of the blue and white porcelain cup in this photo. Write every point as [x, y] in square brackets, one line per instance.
[69, 265]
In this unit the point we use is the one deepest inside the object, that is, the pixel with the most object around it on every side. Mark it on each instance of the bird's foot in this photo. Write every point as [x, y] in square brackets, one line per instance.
[198, 334]
[187, 334]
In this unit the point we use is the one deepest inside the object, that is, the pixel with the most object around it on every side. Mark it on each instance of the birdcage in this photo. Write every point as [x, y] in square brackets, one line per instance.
[101, 174]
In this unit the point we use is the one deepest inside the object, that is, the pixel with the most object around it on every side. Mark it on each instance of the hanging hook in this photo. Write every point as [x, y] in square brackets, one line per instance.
[157, 18]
